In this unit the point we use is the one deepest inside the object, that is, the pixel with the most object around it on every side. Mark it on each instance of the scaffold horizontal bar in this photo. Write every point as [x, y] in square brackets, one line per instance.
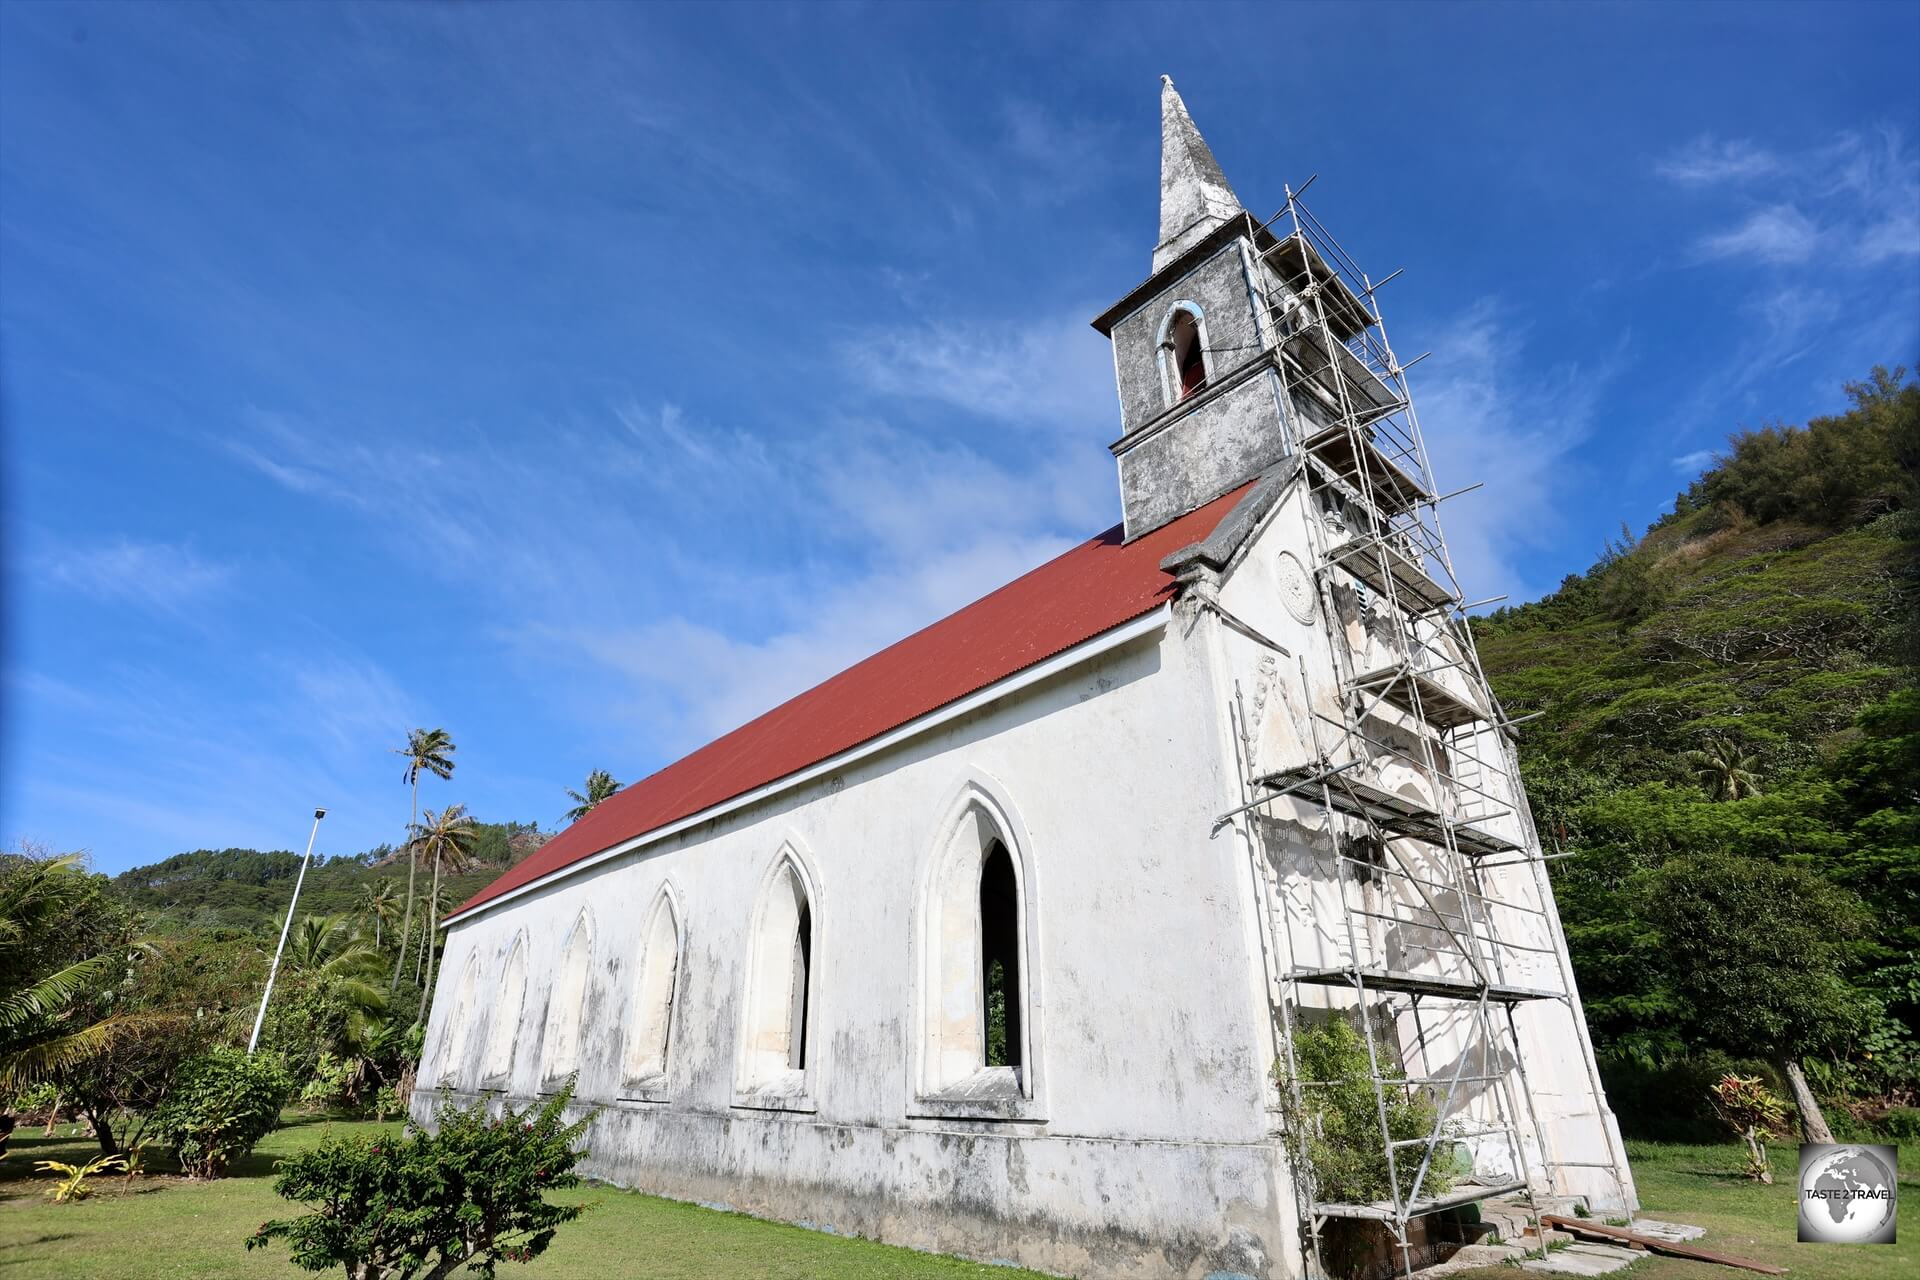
[1418, 693]
[1384, 1210]
[1374, 561]
[1419, 984]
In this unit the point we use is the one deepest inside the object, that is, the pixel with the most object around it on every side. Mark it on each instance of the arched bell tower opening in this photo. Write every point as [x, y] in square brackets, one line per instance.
[1184, 361]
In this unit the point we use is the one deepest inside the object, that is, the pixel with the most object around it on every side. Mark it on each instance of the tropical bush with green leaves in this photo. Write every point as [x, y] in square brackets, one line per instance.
[1333, 1120]
[72, 1182]
[471, 1192]
[221, 1104]
[66, 947]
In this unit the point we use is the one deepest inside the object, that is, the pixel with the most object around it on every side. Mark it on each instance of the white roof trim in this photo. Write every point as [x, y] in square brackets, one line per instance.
[1112, 638]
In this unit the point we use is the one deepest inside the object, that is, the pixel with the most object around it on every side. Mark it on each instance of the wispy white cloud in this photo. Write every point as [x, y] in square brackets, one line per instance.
[296, 731]
[154, 575]
[1820, 241]
[640, 546]
[1485, 421]
[1051, 374]
[1690, 464]
[1777, 233]
[1852, 202]
[1707, 160]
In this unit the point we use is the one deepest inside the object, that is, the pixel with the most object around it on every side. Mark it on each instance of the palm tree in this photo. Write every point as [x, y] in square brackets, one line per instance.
[379, 903]
[432, 750]
[332, 950]
[40, 898]
[600, 786]
[448, 838]
[1723, 771]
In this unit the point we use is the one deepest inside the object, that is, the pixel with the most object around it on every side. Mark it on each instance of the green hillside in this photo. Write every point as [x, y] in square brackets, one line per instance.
[248, 890]
[1728, 746]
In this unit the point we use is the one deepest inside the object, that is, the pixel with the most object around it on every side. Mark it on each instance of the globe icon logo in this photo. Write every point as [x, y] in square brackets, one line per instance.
[1847, 1193]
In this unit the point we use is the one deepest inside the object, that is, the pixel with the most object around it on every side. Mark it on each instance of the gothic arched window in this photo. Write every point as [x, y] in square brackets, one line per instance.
[653, 995]
[459, 1029]
[506, 1016]
[1000, 959]
[976, 996]
[567, 1006]
[776, 1048]
[1185, 363]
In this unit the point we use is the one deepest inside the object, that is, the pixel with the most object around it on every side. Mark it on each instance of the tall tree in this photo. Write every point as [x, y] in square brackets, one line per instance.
[378, 904]
[447, 837]
[600, 786]
[431, 750]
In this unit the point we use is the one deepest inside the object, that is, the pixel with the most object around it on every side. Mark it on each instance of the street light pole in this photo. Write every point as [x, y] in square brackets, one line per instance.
[286, 928]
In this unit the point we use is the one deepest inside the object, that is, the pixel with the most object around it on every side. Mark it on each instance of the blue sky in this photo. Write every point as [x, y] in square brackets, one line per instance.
[585, 379]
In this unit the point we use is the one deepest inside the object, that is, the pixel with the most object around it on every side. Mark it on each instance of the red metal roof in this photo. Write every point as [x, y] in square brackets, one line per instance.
[1091, 589]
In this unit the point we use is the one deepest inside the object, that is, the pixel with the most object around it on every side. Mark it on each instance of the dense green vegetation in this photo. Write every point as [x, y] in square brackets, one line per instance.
[247, 889]
[122, 1000]
[1728, 743]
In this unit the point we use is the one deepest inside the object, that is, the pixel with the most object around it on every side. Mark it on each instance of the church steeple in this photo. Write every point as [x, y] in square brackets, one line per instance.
[1193, 347]
[1194, 195]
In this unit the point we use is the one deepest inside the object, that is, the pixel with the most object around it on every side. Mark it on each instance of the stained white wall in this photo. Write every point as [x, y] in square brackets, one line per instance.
[1142, 1142]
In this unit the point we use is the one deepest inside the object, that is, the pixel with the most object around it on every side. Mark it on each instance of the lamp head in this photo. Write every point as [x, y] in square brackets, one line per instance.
[319, 814]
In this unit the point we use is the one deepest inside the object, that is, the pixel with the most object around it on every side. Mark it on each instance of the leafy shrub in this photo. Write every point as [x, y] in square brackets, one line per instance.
[1902, 1124]
[1754, 1112]
[471, 1194]
[1334, 1128]
[33, 1102]
[221, 1104]
[73, 1182]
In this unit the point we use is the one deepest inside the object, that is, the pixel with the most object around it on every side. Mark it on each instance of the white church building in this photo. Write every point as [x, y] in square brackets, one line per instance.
[998, 942]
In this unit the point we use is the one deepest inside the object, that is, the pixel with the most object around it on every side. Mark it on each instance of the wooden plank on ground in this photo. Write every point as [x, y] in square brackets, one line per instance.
[1581, 1226]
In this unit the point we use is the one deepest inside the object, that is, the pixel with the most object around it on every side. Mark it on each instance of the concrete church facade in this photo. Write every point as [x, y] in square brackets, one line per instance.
[995, 943]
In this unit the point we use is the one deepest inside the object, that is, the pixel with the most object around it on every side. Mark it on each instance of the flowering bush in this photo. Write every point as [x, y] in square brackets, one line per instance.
[470, 1195]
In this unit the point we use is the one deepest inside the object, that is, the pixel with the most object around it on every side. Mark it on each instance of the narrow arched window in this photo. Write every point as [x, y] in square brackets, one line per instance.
[506, 1014]
[1188, 354]
[975, 1005]
[567, 1006]
[460, 1020]
[652, 1018]
[1000, 959]
[781, 980]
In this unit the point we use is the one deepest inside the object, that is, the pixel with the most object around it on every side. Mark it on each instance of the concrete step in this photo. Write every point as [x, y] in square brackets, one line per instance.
[1472, 1257]
[1584, 1260]
[1671, 1232]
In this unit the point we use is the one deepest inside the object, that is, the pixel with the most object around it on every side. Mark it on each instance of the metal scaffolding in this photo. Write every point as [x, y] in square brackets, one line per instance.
[1416, 867]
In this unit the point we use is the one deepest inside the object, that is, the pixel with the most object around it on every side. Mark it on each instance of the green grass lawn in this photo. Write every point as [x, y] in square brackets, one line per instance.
[160, 1226]
[164, 1227]
[1702, 1185]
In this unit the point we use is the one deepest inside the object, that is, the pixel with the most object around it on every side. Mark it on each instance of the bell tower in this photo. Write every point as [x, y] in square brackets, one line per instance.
[1201, 400]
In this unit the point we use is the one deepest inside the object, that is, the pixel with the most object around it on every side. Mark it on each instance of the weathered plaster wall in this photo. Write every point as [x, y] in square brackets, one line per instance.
[1145, 1148]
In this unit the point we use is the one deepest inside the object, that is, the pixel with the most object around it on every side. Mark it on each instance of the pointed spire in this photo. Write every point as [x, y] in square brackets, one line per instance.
[1194, 195]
